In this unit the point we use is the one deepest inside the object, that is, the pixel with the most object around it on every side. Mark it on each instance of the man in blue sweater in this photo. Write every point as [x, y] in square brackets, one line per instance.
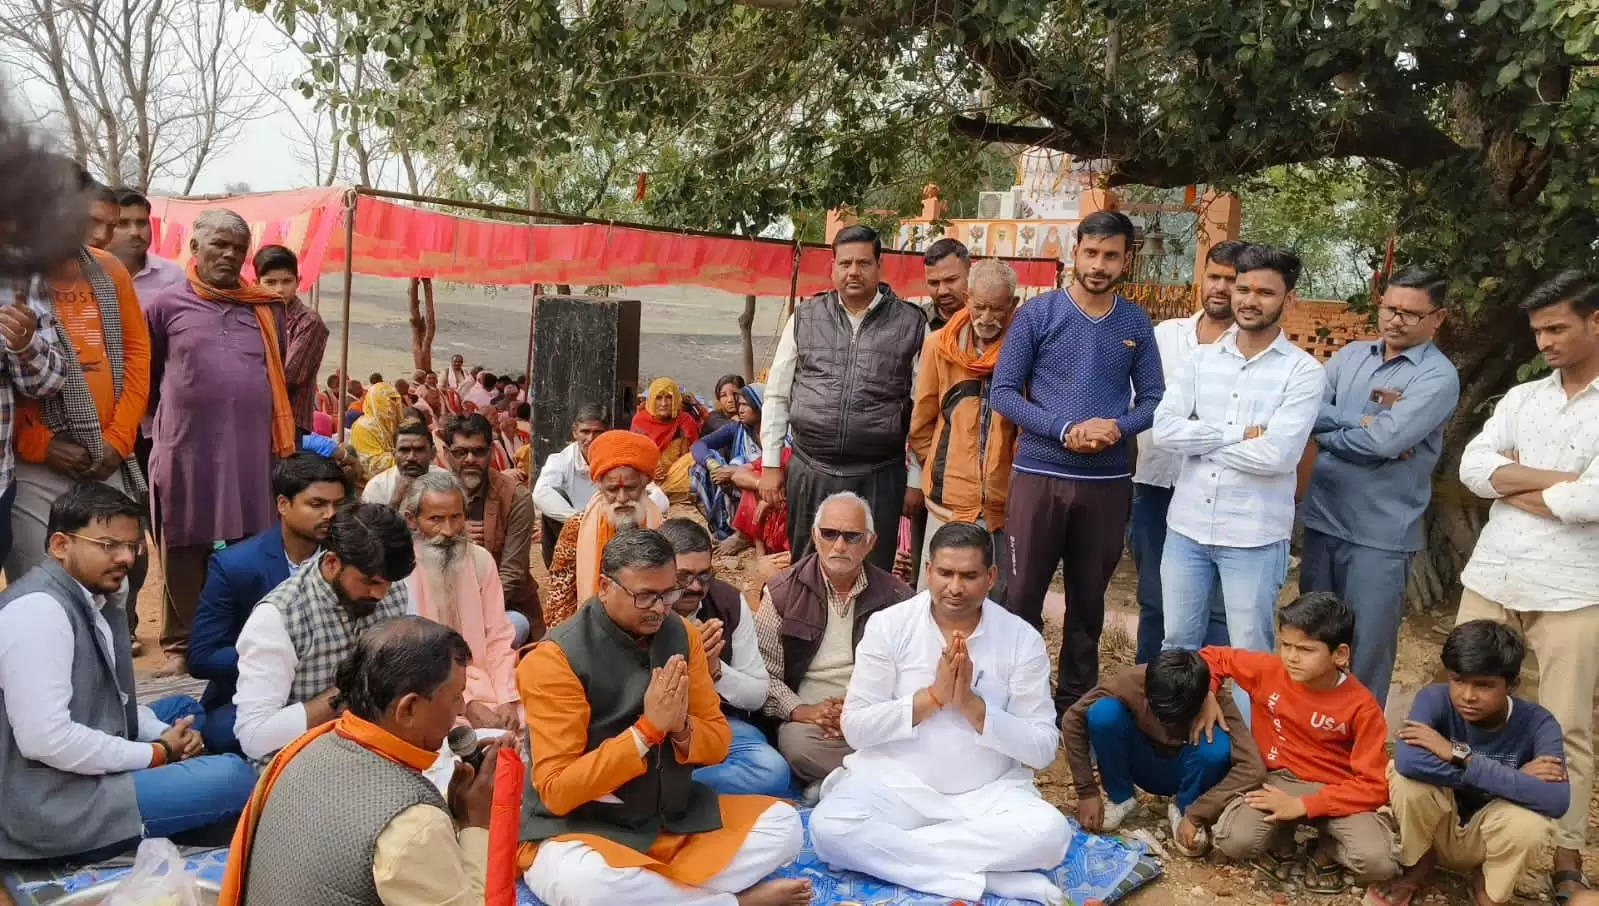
[1478, 777]
[309, 490]
[1080, 374]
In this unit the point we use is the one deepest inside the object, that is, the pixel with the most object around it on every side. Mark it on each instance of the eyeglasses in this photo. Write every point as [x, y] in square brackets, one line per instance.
[472, 452]
[649, 600]
[831, 535]
[702, 579]
[110, 548]
[1407, 318]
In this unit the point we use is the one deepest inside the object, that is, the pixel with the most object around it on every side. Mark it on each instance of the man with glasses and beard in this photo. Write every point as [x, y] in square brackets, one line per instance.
[811, 618]
[620, 465]
[301, 632]
[1239, 413]
[727, 630]
[1380, 434]
[500, 517]
[456, 583]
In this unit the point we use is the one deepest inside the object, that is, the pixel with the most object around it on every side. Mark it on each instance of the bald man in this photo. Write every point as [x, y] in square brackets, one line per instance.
[222, 413]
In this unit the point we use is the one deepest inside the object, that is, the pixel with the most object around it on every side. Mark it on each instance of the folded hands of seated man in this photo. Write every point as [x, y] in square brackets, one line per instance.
[666, 699]
[825, 714]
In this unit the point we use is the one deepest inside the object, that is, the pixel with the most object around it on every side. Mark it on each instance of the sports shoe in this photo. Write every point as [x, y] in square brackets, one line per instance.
[1201, 839]
[1117, 812]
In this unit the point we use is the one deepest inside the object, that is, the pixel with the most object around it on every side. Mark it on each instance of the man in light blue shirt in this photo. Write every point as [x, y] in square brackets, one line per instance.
[1380, 433]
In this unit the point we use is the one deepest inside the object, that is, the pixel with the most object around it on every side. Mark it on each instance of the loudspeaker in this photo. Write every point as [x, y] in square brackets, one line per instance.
[585, 350]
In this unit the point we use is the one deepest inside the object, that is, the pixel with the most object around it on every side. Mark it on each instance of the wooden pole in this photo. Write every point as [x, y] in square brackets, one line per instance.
[350, 200]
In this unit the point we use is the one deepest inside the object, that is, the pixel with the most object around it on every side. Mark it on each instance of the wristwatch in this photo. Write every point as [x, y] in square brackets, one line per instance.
[1459, 754]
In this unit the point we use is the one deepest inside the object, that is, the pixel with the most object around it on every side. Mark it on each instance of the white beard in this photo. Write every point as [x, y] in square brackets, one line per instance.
[624, 522]
[437, 559]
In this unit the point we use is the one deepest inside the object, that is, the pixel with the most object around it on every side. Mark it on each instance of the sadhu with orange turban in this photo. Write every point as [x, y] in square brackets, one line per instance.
[621, 464]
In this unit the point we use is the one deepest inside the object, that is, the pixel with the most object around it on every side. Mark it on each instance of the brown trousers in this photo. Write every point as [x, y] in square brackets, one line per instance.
[809, 755]
[1363, 843]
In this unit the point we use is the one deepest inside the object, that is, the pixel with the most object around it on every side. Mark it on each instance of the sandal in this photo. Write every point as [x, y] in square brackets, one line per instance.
[1566, 877]
[1327, 880]
[1383, 895]
[1282, 867]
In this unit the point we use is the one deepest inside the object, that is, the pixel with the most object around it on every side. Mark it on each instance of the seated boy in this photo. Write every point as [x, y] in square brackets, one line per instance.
[1140, 725]
[1322, 736]
[1478, 777]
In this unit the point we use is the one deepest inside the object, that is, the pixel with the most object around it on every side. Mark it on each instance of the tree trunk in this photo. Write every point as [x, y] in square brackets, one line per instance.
[424, 321]
[746, 335]
[1487, 351]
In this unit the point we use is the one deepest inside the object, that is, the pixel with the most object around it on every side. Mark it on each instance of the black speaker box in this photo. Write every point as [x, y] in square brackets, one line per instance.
[585, 350]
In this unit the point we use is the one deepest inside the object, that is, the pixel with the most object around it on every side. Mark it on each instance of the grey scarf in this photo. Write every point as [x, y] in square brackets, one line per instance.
[72, 414]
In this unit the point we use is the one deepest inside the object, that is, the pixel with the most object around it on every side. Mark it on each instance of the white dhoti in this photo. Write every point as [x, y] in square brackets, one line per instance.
[572, 874]
[998, 838]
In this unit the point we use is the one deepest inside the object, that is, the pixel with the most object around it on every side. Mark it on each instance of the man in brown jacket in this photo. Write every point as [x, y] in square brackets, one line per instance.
[1140, 726]
[964, 446]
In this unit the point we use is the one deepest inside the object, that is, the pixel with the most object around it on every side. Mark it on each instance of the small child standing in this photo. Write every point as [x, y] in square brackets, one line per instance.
[1478, 777]
[1321, 735]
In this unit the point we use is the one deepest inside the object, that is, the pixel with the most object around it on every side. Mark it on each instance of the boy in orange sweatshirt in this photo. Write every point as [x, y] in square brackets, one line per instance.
[1322, 735]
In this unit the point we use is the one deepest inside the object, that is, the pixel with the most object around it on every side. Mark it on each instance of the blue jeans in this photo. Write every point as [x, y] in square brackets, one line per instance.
[218, 730]
[187, 795]
[1127, 758]
[752, 766]
[1146, 540]
[1249, 578]
[1371, 582]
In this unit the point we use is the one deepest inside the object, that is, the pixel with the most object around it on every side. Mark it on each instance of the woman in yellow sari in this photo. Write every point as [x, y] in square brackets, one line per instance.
[673, 431]
[374, 432]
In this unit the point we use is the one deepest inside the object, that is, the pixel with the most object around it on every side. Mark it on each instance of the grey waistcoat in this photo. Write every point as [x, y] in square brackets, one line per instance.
[48, 813]
[615, 672]
[851, 402]
[320, 827]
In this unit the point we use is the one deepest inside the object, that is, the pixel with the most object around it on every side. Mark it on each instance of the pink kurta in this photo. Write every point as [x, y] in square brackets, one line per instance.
[480, 603]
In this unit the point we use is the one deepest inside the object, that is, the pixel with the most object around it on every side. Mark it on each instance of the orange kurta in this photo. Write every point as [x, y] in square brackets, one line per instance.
[566, 777]
[79, 314]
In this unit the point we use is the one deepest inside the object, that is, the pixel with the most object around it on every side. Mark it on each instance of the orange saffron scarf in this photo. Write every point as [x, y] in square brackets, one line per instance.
[363, 733]
[951, 347]
[284, 442]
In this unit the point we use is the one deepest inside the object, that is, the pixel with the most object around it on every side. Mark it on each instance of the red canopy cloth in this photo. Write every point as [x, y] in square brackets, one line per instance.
[395, 240]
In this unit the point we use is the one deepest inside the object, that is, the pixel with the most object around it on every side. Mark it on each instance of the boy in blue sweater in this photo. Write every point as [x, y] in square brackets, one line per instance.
[1080, 375]
[1478, 777]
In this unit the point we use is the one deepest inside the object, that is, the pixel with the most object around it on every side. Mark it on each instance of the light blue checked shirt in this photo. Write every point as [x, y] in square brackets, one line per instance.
[1234, 492]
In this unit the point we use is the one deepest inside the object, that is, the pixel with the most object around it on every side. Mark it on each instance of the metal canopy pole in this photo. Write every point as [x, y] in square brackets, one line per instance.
[350, 200]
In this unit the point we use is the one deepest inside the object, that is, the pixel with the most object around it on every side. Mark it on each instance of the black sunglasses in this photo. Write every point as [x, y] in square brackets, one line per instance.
[831, 535]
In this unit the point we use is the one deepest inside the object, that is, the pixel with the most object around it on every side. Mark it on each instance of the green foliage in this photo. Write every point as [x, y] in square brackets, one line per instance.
[1327, 212]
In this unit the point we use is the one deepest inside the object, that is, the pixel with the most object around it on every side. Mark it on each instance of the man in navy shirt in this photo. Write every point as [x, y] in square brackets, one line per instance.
[1080, 375]
[1478, 777]
[1380, 433]
[309, 490]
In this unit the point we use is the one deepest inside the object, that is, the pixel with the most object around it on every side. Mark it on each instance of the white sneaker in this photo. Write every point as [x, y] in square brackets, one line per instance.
[1117, 812]
[1201, 839]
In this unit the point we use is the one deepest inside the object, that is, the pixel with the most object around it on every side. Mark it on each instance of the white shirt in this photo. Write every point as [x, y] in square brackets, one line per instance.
[743, 683]
[381, 488]
[479, 395]
[898, 657]
[1175, 339]
[36, 651]
[1522, 561]
[1234, 492]
[563, 488]
[780, 389]
[267, 662]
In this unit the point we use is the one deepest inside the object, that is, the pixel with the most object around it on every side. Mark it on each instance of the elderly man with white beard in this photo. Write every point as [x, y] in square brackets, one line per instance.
[620, 465]
[456, 584]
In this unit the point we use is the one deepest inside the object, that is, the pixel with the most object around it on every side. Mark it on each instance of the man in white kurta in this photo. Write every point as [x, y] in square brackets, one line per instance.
[949, 712]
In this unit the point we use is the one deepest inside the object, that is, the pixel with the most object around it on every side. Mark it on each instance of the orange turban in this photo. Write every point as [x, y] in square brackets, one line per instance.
[622, 448]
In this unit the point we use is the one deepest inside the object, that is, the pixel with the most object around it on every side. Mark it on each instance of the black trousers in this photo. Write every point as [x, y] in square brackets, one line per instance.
[1079, 524]
[808, 484]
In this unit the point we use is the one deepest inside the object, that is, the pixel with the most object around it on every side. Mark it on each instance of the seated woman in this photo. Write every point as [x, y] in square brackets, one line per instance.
[717, 457]
[760, 523]
[373, 434]
[729, 390]
[673, 432]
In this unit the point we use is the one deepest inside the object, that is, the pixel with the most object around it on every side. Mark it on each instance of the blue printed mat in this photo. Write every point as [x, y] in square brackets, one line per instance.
[1100, 868]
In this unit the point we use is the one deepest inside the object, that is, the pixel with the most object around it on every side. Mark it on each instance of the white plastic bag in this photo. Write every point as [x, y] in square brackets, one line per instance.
[159, 879]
